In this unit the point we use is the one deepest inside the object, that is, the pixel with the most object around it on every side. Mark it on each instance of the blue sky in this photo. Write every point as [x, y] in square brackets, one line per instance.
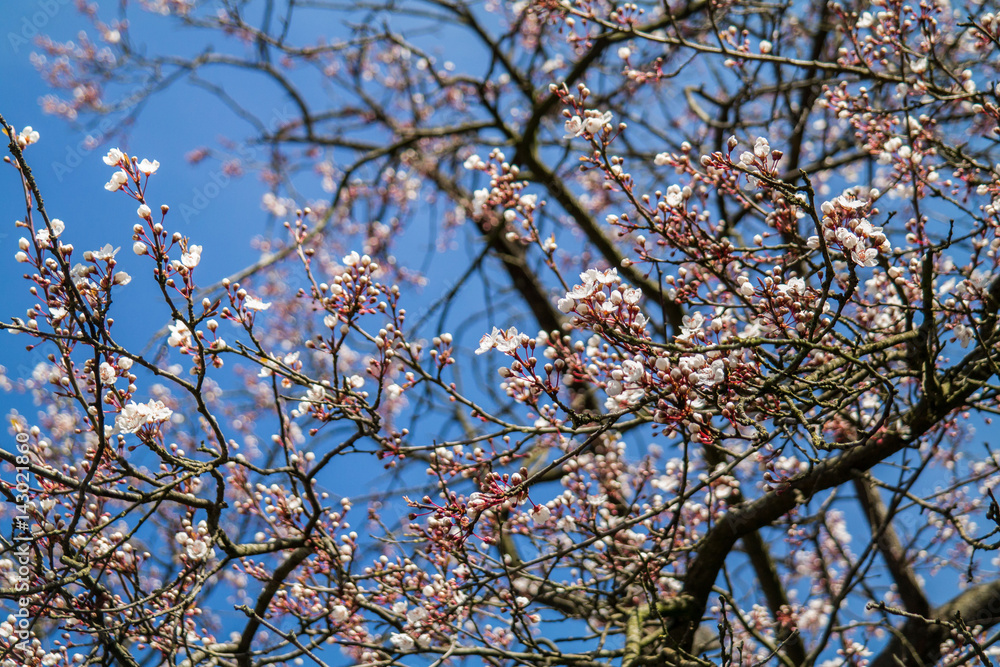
[221, 214]
[71, 176]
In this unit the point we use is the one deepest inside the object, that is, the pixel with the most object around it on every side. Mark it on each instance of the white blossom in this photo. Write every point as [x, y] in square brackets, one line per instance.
[416, 615]
[793, 287]
[964, 334]
[180, 335]
[595, 121]
[105, 253]
[253, 303]
[131, 418]
[199, 550]
[479, 198]
[761, 148]
[573, 127]
[156, 411]
[509, 341]
[675, 196]
[42, 238]
[136, 415]
[192, 257]
[108, 373]
[504, 341]
[540, 513]
[114, 157]
[315, 394]
[148, 167]
[402, 641]
[691, 324]
[865, 257]
[27, 136]
[632, 370]
[118, 179]
[488, 341]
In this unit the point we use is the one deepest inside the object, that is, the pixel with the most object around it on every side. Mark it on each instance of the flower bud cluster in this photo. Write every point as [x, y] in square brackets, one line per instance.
[196, 542]
[626, 385]
[580, 121]
[601, 298]
[130, 176]
[592, 123]
[27, 136]
[761, 160]
[845, 224]
[507, 193]
[355, 288]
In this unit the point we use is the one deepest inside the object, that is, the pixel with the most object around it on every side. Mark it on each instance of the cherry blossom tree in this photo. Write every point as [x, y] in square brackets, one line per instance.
[732, 270]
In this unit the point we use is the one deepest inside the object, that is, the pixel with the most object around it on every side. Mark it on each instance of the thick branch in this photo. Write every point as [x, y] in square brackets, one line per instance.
[715, 548]
[892, 550]
[919, 641]
[950, 393]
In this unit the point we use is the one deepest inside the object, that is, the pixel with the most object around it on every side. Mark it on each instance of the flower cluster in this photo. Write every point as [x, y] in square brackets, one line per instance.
[762, 160]
[197, 543]
[597, 296]
[130, 174]
[180, 335]
[136, 415]
[506, 190]
[625, 386]
[27, 136]
[845, 224]
[592, 123]
[354, 289]
[761, 151]
[504, 341]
